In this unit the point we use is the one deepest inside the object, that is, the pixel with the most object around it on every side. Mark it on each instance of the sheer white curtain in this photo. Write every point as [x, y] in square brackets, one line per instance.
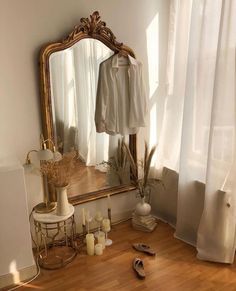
[74, 77]
[198, 133]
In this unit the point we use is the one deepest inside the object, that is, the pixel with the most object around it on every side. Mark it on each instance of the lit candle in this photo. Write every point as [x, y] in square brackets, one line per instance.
[98, 249]
[102, 239]
[108, 201]
[90, 244]
[83, 216]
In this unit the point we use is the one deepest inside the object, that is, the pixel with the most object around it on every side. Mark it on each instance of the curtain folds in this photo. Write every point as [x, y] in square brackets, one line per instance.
[198, 133]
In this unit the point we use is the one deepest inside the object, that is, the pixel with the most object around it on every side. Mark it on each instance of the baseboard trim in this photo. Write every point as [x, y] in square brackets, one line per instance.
[21, 276]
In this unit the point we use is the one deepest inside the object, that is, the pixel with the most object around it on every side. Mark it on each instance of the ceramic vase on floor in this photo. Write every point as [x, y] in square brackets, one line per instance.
[143, 208]
[62, 201]
[142, 219]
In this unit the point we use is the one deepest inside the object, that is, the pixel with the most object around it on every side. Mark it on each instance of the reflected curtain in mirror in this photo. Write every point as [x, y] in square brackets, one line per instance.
[74, 77]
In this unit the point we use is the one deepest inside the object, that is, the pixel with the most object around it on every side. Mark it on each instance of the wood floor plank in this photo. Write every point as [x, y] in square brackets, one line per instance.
[175, 267]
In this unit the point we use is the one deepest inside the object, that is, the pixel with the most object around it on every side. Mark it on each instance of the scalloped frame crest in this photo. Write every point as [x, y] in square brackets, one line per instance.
[94, 26]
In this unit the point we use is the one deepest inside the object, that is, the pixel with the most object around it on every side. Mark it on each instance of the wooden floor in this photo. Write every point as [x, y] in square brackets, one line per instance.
[86, 179]
[175, 267]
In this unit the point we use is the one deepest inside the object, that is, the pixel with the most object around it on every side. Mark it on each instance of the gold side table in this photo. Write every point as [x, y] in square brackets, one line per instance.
[55, 238]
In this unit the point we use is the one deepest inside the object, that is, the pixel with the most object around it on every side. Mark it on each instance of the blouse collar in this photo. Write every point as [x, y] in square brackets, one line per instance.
[115, 61]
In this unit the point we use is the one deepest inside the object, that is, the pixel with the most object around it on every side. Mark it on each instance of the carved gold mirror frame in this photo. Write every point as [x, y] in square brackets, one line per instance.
[88, 28]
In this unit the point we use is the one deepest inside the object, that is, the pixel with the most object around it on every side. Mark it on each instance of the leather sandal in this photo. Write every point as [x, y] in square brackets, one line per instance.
[144, 248]
[139, 268]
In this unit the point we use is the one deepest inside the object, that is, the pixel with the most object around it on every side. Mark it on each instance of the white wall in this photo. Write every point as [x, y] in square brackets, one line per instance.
[26, 25]
[15, 240]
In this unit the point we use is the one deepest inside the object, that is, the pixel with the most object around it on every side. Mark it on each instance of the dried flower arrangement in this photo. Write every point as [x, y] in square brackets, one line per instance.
[59, 172]
[140, 171]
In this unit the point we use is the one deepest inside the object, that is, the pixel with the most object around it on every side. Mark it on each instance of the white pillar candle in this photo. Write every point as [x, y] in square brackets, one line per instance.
[90, 244]
[101, 239]
[109, 201]
[98, 249]
[83, 216]
[106, 225]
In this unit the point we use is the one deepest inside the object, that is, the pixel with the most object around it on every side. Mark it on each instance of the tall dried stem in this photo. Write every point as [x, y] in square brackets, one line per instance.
[145, 164]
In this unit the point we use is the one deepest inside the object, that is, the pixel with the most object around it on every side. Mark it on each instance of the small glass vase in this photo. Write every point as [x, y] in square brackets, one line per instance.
[62, 201]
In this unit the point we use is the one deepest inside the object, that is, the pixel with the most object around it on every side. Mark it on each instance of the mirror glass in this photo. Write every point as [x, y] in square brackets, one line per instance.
[73, 83]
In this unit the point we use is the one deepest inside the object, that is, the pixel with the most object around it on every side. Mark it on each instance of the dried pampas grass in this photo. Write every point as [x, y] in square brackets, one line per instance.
[59, 172]
[140, 170]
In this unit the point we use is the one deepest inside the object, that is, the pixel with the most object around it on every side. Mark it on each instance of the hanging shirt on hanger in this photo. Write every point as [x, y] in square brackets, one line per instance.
[121, 103]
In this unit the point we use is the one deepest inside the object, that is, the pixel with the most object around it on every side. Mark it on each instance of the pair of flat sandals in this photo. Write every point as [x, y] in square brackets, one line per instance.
[138, 263]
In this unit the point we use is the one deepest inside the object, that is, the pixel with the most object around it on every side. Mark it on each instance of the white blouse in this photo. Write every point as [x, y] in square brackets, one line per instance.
[121, 103]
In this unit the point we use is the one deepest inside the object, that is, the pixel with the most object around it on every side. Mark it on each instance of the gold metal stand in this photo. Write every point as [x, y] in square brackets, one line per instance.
[46, 206]
[55, 239]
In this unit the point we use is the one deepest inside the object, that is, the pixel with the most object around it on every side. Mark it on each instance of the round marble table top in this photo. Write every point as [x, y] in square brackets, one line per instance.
[52, 217]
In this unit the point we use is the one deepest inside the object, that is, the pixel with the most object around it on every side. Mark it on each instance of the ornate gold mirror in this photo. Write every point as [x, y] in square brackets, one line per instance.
[69, 72]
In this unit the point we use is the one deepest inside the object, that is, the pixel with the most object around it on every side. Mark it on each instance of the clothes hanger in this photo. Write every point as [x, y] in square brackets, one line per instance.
[122, 53]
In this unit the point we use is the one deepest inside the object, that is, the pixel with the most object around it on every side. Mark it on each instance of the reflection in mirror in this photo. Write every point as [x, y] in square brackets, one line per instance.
[69, 75]
[73, 81]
